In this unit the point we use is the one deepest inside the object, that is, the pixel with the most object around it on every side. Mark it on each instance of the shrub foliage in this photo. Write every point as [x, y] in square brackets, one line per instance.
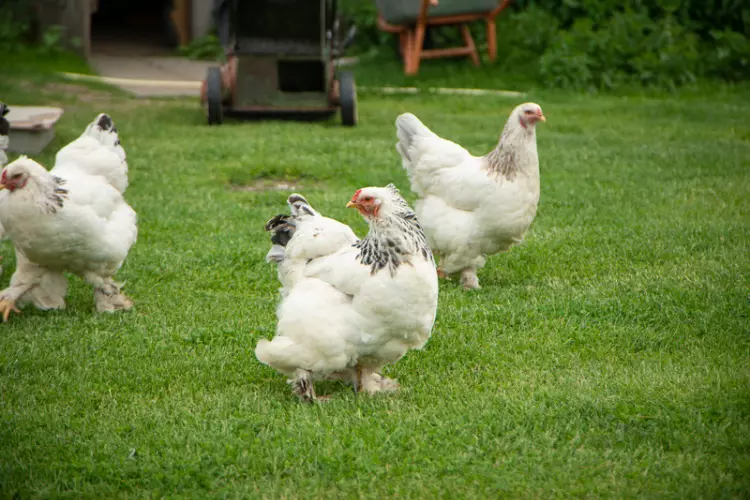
[599, 44]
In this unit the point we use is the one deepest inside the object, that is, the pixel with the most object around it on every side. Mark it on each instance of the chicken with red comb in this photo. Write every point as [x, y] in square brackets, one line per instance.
[473, 206]
[72, 218]
[349, 306]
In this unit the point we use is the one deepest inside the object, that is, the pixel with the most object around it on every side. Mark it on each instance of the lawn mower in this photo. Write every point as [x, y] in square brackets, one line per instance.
[280, 62]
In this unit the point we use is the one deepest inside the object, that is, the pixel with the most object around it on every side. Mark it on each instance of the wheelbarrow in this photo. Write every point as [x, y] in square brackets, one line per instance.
[280, 62]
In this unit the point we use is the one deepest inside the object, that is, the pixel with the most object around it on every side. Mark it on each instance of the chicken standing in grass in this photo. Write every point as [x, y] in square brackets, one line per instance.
[473, 206]
[349, 306]
[72, 218]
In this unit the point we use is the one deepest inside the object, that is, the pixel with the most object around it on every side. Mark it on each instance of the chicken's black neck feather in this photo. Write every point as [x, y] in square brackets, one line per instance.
[393, 240]
[56, 196]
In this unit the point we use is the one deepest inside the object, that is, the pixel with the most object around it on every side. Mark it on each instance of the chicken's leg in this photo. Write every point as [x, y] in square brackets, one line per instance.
[469, 279]
[25, 278]
[302, 385]
[370, 381]
[107, 294]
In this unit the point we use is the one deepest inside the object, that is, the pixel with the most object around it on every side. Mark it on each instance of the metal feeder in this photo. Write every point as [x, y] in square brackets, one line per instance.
[280, 62]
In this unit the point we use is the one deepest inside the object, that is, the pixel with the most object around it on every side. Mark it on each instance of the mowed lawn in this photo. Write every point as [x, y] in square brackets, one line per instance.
[607, 356]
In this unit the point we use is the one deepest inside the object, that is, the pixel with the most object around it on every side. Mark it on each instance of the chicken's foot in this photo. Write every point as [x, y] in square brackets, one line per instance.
[469, 279]
[387, 384]
[6, 307]
[108, 296]
[370, 381]
[303, 387]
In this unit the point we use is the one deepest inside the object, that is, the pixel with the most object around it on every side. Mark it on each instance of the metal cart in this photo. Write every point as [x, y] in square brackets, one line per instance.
[280, 62]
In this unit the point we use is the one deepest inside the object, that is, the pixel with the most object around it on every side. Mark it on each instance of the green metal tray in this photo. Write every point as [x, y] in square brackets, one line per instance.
[407, 11]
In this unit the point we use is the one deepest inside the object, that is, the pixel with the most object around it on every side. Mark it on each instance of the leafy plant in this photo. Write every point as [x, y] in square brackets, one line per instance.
[53, 40]
[729, 57]
[364, 14]
[14, 28]
[628, 47]
[207, 47]
[603, 44]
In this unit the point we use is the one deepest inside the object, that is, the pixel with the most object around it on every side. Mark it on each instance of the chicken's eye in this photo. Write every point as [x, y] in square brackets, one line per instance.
[529, 112]
[367, 198]
[17, 176]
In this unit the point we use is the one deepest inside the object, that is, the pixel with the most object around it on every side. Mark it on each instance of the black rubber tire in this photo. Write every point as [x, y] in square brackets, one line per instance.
[214, 96]
[348, 99]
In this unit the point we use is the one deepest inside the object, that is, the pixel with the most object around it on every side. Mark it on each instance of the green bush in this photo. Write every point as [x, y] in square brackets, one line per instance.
[729, 56]
[603, 44]
[207, 48]
[364, 14]
[15, 25]
[626, 48]
[19, 30]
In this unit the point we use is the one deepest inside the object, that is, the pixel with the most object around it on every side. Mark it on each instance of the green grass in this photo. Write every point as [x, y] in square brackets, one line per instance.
[608, 356]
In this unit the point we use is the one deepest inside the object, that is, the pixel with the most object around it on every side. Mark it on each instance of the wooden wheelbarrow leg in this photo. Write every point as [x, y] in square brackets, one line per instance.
[470, 45]
[417, 38]
[492, 29]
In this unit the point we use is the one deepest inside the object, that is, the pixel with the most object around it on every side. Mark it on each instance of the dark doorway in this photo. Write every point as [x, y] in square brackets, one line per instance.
[133, 27]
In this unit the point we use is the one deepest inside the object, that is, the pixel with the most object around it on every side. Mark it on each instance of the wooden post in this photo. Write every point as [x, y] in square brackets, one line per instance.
[180, 17]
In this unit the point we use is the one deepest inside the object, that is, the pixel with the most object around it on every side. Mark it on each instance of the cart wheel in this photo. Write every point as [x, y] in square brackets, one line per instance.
[214, 96]
[347, 99]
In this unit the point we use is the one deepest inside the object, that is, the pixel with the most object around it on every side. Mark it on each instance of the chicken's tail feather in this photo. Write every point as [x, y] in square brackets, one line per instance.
[299, 206]
[282, 229]
[103, 129]
[408, 129]
[96, 152]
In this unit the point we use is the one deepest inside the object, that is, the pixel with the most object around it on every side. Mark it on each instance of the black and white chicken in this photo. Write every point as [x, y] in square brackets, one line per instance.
[349, 306]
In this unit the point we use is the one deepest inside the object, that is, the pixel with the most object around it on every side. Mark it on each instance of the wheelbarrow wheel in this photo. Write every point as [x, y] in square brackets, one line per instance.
[348, 99]
[214, 96]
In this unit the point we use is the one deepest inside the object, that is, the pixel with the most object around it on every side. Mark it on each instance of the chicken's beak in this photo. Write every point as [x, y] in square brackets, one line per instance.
[352, 204]
[542, 118]
[2, 186]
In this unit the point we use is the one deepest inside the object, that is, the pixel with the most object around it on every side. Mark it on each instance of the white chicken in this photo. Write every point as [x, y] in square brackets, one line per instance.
[473, 206]
[73, 218]
[349, 306]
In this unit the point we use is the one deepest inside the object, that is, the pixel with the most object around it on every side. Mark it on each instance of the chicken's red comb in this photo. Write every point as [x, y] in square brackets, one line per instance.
[356, 194]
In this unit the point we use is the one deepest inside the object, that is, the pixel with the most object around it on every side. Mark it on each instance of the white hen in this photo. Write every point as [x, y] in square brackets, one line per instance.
[72, 218]
[473, 206]
[350, 306]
